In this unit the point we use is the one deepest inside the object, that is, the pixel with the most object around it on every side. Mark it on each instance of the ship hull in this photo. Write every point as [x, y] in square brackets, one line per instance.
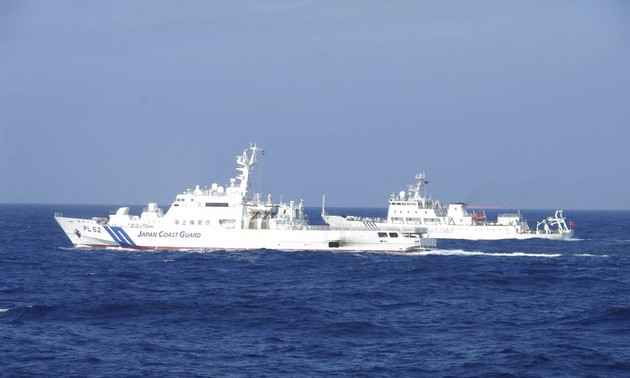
[463, 232]
[492, 233]
[89, 233]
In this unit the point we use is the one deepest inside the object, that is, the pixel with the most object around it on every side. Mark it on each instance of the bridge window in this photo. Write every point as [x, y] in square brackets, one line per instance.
[393, 234]
[382, 234]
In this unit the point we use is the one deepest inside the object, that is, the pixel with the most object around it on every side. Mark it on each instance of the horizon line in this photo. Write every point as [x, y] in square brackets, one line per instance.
[306, 207]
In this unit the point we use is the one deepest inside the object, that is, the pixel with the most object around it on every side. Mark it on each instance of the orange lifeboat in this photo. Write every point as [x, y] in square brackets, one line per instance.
[479, 217]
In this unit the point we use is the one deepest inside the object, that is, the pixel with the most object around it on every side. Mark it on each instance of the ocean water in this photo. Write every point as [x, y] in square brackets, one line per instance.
[531, 308]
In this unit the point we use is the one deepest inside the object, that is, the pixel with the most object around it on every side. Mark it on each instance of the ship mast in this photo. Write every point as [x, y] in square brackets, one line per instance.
[416, 191]
[245, 163]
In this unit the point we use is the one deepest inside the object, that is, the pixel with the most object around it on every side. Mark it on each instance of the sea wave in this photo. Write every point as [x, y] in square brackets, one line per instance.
[72, 248]
[608, 316]
[619, 241]
[25, 312]
[11, 290]
[460, 252]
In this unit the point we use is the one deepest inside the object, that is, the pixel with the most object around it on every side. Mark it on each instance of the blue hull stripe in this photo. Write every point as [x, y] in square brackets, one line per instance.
[111, 234]
[120, 236]
[125, 235]
[370, 225]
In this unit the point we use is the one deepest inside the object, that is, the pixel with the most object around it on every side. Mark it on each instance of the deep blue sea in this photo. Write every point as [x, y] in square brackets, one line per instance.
[470, 309]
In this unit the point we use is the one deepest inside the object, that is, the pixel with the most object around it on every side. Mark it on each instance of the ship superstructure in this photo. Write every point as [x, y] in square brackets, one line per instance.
[231, 217]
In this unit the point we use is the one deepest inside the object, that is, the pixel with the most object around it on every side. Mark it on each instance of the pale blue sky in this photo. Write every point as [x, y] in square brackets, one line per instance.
[524, 104]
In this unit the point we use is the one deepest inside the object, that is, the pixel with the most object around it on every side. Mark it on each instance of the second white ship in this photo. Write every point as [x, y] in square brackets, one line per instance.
[413, 208]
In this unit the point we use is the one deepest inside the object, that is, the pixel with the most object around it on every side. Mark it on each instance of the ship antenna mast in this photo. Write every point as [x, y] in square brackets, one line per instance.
[417, 190]
[245, 163]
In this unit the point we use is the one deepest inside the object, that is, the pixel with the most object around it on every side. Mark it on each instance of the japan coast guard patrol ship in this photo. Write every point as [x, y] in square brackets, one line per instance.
[232, 218]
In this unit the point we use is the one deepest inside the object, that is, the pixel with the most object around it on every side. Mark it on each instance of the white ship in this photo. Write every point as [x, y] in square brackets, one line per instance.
[414, 209]
[231, 217]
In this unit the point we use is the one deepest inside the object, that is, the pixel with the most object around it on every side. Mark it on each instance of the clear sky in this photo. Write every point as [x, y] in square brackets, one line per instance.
[524, 104]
